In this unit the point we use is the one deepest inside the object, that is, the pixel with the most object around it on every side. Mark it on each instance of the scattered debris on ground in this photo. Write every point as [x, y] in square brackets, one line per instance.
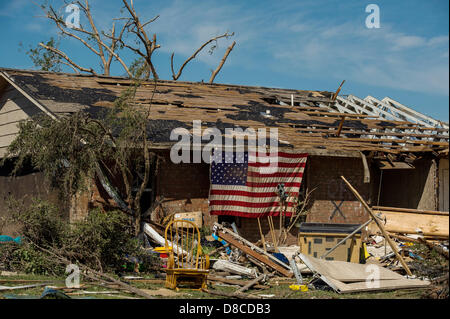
[330, 261]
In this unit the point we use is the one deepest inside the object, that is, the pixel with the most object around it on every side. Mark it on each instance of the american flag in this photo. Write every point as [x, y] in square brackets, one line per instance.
[244, 183]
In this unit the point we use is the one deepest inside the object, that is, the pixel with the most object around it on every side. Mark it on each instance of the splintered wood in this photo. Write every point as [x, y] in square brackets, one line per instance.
[253, 251]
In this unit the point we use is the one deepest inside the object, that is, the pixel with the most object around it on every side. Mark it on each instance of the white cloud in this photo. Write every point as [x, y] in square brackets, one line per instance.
[379, 57]
[408, 42]
[293, 39]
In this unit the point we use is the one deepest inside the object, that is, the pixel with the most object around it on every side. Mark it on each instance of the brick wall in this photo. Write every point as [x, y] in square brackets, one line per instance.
[185, 188]
[324, 174]
[249, 229]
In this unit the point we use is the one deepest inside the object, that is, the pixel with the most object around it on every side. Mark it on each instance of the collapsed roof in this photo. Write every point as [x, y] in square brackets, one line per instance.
[306, 120]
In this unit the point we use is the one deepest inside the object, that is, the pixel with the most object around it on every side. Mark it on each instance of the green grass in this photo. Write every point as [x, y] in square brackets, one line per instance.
[280, 291]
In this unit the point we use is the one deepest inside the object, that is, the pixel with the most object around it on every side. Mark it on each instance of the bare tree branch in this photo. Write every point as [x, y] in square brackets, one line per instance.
[65, 57]
[216, 71]
[175, 77]
[150, 45]
[94, 34]
[101, 54]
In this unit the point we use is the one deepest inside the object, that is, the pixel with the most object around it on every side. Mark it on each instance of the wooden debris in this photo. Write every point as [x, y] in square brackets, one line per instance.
[235, 282]
[96, 275]
[231, 295]
[254, 251]
[250, 284]
[262, 236]
[225, 265]
[409, 221]
[261, 258]
[380, 226]
[218, 249]
[7, 288]
[438, 249]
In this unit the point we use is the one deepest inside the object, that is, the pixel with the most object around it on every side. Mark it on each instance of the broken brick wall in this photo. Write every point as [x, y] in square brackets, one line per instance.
[324, 174]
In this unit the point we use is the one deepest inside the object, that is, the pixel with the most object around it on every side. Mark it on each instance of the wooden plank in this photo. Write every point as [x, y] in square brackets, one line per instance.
[264, 259]
[410, 223]
[409, 210]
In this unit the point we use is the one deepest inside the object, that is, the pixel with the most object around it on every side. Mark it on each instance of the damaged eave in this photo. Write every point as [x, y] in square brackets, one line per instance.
[11, 81]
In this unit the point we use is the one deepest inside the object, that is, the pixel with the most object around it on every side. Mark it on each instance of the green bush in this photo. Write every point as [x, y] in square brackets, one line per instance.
[102, 242]
[107, 237]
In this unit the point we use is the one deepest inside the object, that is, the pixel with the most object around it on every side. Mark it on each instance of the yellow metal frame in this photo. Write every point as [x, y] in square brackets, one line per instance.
[187, 264]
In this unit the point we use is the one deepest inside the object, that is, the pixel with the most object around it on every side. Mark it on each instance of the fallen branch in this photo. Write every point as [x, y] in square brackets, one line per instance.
[250, 284]
[88, 270]
[236, 282]
[230, 295]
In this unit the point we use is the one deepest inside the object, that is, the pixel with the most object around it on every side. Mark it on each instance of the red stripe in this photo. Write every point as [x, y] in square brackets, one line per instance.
[246, 204]
[248, 215]
[244, 193]
[280, 154]
[250, 184]
[277, 174]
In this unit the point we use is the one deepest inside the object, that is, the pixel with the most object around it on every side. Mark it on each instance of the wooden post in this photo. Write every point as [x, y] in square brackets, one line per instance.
[272, 231]
[262, 236]
[341, 123]
[380, 226]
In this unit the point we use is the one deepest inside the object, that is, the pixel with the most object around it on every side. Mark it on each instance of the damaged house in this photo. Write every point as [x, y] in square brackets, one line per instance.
[393, 155]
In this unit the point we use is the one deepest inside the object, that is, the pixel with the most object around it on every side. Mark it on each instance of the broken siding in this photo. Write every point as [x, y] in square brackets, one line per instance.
[14, 107]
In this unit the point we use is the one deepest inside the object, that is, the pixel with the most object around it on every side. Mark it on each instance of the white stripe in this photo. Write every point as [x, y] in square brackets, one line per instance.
[262, 170]
[256, 210]
[249, 199]
[247, 189]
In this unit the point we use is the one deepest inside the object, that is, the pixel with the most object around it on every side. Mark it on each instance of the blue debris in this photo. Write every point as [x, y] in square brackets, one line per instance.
[223, 242]
[9, 239]
[281, 257]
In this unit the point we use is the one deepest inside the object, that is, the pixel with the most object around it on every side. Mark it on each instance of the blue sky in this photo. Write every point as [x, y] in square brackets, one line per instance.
[311, 44]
